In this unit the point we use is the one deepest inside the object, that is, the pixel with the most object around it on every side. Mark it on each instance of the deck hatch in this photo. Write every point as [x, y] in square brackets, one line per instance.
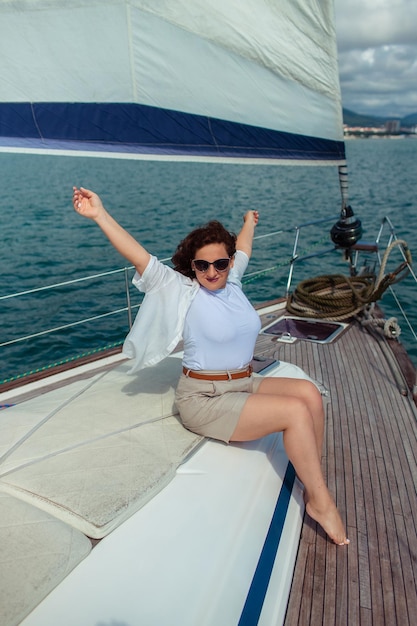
[291, 328]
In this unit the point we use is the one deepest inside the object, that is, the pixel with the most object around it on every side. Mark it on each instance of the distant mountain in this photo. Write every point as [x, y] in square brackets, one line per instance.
[357, 119]
[409, 120]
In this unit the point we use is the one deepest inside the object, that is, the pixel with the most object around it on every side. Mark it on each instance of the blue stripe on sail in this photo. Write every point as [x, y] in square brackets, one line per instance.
[135, 128]
[257, 592]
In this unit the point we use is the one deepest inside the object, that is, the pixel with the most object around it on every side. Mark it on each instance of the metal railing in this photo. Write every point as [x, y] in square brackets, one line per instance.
[314, 250]
[375, 249]
[387, 223]
[128, 308]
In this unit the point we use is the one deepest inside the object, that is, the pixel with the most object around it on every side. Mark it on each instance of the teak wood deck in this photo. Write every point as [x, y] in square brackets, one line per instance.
[370, 461]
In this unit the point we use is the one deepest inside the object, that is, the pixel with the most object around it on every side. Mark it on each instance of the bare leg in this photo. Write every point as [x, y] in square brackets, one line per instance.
[305, 390]
[264, 414]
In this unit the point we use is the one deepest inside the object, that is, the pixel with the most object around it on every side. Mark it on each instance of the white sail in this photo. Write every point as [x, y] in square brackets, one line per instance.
[239, 80]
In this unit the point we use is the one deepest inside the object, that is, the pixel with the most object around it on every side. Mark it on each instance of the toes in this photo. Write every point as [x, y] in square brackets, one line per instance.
[345, 542]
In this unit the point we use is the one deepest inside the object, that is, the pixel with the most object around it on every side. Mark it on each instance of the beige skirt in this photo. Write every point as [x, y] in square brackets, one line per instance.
[212, 408]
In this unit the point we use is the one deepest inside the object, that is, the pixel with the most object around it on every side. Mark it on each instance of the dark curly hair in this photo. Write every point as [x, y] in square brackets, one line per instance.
[212, 232]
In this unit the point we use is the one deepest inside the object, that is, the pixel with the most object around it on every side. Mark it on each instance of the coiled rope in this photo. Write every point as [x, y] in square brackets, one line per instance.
[337, 297]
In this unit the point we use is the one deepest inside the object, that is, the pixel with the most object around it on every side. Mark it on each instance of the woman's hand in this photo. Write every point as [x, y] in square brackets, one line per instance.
[87, 203]
[251, 217]
[245, 237]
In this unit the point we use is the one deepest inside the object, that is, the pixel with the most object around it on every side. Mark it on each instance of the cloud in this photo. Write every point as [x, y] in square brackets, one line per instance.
[377, 42]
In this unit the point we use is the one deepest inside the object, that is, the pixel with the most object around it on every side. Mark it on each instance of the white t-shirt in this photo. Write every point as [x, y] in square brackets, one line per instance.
[220, 330]
[159, 324]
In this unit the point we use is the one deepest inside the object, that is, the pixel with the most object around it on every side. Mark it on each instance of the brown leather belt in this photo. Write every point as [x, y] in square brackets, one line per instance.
[226, 376]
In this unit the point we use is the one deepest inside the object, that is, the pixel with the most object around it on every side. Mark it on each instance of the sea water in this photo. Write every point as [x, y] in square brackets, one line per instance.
[45, 242]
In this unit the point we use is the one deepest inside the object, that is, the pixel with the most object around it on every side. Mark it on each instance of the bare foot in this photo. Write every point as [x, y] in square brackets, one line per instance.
[331, 523]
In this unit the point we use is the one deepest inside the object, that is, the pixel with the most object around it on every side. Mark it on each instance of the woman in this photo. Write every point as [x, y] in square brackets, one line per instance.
[201, 301]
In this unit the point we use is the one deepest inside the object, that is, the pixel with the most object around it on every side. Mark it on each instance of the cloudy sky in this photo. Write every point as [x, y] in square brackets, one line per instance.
[377, 42]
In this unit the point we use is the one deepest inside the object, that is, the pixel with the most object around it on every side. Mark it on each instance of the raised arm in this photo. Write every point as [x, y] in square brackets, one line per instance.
[88, 204]
[245, 237]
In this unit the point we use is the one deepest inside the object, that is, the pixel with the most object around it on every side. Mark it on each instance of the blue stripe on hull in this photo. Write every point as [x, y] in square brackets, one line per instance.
[135, 128]
[257, 592]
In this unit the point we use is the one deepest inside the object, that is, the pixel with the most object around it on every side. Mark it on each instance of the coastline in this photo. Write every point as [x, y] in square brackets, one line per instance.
[376, 133]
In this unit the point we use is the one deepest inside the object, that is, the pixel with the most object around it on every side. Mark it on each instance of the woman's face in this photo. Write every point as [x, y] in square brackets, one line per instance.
[212, 278]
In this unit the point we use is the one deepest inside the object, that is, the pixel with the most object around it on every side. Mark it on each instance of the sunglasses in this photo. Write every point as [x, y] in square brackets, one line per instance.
[220, 265]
